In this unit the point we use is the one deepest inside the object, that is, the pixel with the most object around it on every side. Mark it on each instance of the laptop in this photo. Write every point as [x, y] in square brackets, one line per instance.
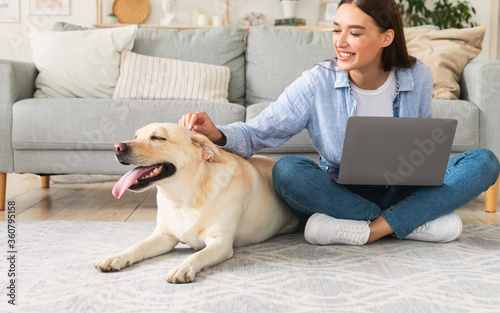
[396, 151]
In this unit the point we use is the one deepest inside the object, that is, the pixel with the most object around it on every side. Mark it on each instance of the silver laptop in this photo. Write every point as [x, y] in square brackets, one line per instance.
[396, 151]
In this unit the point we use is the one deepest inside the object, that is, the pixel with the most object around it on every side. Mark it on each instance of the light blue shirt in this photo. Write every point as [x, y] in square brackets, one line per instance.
[321, 102]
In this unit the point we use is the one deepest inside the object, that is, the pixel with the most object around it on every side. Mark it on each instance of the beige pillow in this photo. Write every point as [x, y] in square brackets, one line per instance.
[146, 77]
[446, 52]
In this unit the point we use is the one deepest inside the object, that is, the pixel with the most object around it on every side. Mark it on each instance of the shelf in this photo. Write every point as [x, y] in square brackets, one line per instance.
[99, 17]
[100, 24]
[184, 27]
[180, 27]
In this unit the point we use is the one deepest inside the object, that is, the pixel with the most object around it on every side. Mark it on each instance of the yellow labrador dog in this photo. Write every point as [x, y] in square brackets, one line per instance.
[207, 198]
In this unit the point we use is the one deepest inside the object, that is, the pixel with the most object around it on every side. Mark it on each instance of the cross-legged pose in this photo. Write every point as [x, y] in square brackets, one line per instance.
[372, 75]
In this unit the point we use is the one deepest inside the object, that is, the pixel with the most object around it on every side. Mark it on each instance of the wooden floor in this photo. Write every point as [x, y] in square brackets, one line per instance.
[94, 202]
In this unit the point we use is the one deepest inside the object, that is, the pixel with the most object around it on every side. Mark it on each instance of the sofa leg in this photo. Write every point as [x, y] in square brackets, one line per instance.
[45, 181]
[492, 197]
[3, 190]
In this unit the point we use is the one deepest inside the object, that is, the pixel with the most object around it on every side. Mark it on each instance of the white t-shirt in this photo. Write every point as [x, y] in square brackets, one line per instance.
[376, 102]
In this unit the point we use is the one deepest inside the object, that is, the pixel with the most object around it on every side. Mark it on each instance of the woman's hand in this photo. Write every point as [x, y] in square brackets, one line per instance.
[200, 123]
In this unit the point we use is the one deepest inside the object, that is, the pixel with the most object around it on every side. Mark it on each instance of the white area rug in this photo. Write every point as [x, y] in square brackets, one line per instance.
[55, 273]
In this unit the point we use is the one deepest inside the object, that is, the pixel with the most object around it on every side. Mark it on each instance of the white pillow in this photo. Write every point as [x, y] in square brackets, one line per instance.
[146, 77]
[81, 64]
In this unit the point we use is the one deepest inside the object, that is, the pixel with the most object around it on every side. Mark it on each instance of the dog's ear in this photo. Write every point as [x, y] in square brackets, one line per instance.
[210, 152]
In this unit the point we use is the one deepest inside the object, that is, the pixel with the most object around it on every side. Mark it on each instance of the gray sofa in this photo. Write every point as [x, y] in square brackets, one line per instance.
[76, 136]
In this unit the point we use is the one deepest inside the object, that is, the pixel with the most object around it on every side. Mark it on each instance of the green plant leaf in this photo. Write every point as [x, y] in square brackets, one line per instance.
[444, 13]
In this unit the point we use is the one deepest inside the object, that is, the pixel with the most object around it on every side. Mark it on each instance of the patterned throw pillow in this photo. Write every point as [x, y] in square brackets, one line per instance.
[146, 77]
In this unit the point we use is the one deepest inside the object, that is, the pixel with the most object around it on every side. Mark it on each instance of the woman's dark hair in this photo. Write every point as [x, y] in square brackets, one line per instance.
[386, 15]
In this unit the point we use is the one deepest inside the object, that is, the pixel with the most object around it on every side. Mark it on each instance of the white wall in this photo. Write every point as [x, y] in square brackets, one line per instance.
[14, 37]
[483, 18]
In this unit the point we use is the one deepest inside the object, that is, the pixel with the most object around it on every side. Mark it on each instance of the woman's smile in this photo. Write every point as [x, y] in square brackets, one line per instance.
[344, 56]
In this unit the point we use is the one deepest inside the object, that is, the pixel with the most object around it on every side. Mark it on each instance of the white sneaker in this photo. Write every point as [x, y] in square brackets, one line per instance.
[443, 229]
[322, 229]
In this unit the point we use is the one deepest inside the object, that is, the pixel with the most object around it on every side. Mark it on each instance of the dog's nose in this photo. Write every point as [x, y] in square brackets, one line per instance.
[119, 148]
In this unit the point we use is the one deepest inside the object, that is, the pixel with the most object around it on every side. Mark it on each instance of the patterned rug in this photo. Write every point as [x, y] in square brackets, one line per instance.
[54, 273]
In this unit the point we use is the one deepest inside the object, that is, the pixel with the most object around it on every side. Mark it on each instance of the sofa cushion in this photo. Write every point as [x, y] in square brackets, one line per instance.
[275, 57]
[300, 143]
[466, 136]
[467, 115]
[219, 46]
[151, 78]
[97, 124]
[68, 162]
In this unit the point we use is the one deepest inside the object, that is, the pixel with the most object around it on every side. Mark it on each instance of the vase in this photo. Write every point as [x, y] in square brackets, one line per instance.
[289, 8]
[111, 19]
[194, 15]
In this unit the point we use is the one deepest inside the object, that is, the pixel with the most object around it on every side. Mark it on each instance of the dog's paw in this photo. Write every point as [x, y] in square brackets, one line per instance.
[113, 263]
[183, 273]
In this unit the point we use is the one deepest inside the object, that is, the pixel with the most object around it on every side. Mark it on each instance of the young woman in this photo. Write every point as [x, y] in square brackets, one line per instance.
[372, 75]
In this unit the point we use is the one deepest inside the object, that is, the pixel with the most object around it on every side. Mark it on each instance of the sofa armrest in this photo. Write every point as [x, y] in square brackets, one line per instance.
[17, 82]
[481, 85]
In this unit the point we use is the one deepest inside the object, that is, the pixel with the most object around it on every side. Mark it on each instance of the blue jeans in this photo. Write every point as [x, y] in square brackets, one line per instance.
[307, 189]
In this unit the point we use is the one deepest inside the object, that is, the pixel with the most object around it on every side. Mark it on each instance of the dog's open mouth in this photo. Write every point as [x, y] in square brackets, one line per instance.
[141, 177]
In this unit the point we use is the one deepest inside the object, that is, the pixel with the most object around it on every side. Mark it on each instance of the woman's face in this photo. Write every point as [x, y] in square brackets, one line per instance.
[357, 40]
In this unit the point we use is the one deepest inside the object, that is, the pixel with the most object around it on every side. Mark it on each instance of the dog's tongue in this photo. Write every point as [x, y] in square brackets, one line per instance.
[129, 179]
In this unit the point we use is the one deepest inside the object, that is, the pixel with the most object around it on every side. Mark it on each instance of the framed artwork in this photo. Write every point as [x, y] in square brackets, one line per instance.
[9, 11]
[327, 11]
[49, 7]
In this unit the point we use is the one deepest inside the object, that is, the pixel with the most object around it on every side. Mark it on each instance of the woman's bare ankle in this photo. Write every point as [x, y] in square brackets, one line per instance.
[379, 228]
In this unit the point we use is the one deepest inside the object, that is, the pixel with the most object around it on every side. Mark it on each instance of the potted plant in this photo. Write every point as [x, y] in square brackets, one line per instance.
[444, 14]
[414, 12]
[111, 19]
[449, 15]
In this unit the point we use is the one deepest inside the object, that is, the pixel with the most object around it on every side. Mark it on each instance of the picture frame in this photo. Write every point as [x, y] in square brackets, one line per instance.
[49, 7]
[9, 11]
[327, 11]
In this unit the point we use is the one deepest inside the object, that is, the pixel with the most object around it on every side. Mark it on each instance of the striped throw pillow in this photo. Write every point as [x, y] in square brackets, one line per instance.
[146, 77]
